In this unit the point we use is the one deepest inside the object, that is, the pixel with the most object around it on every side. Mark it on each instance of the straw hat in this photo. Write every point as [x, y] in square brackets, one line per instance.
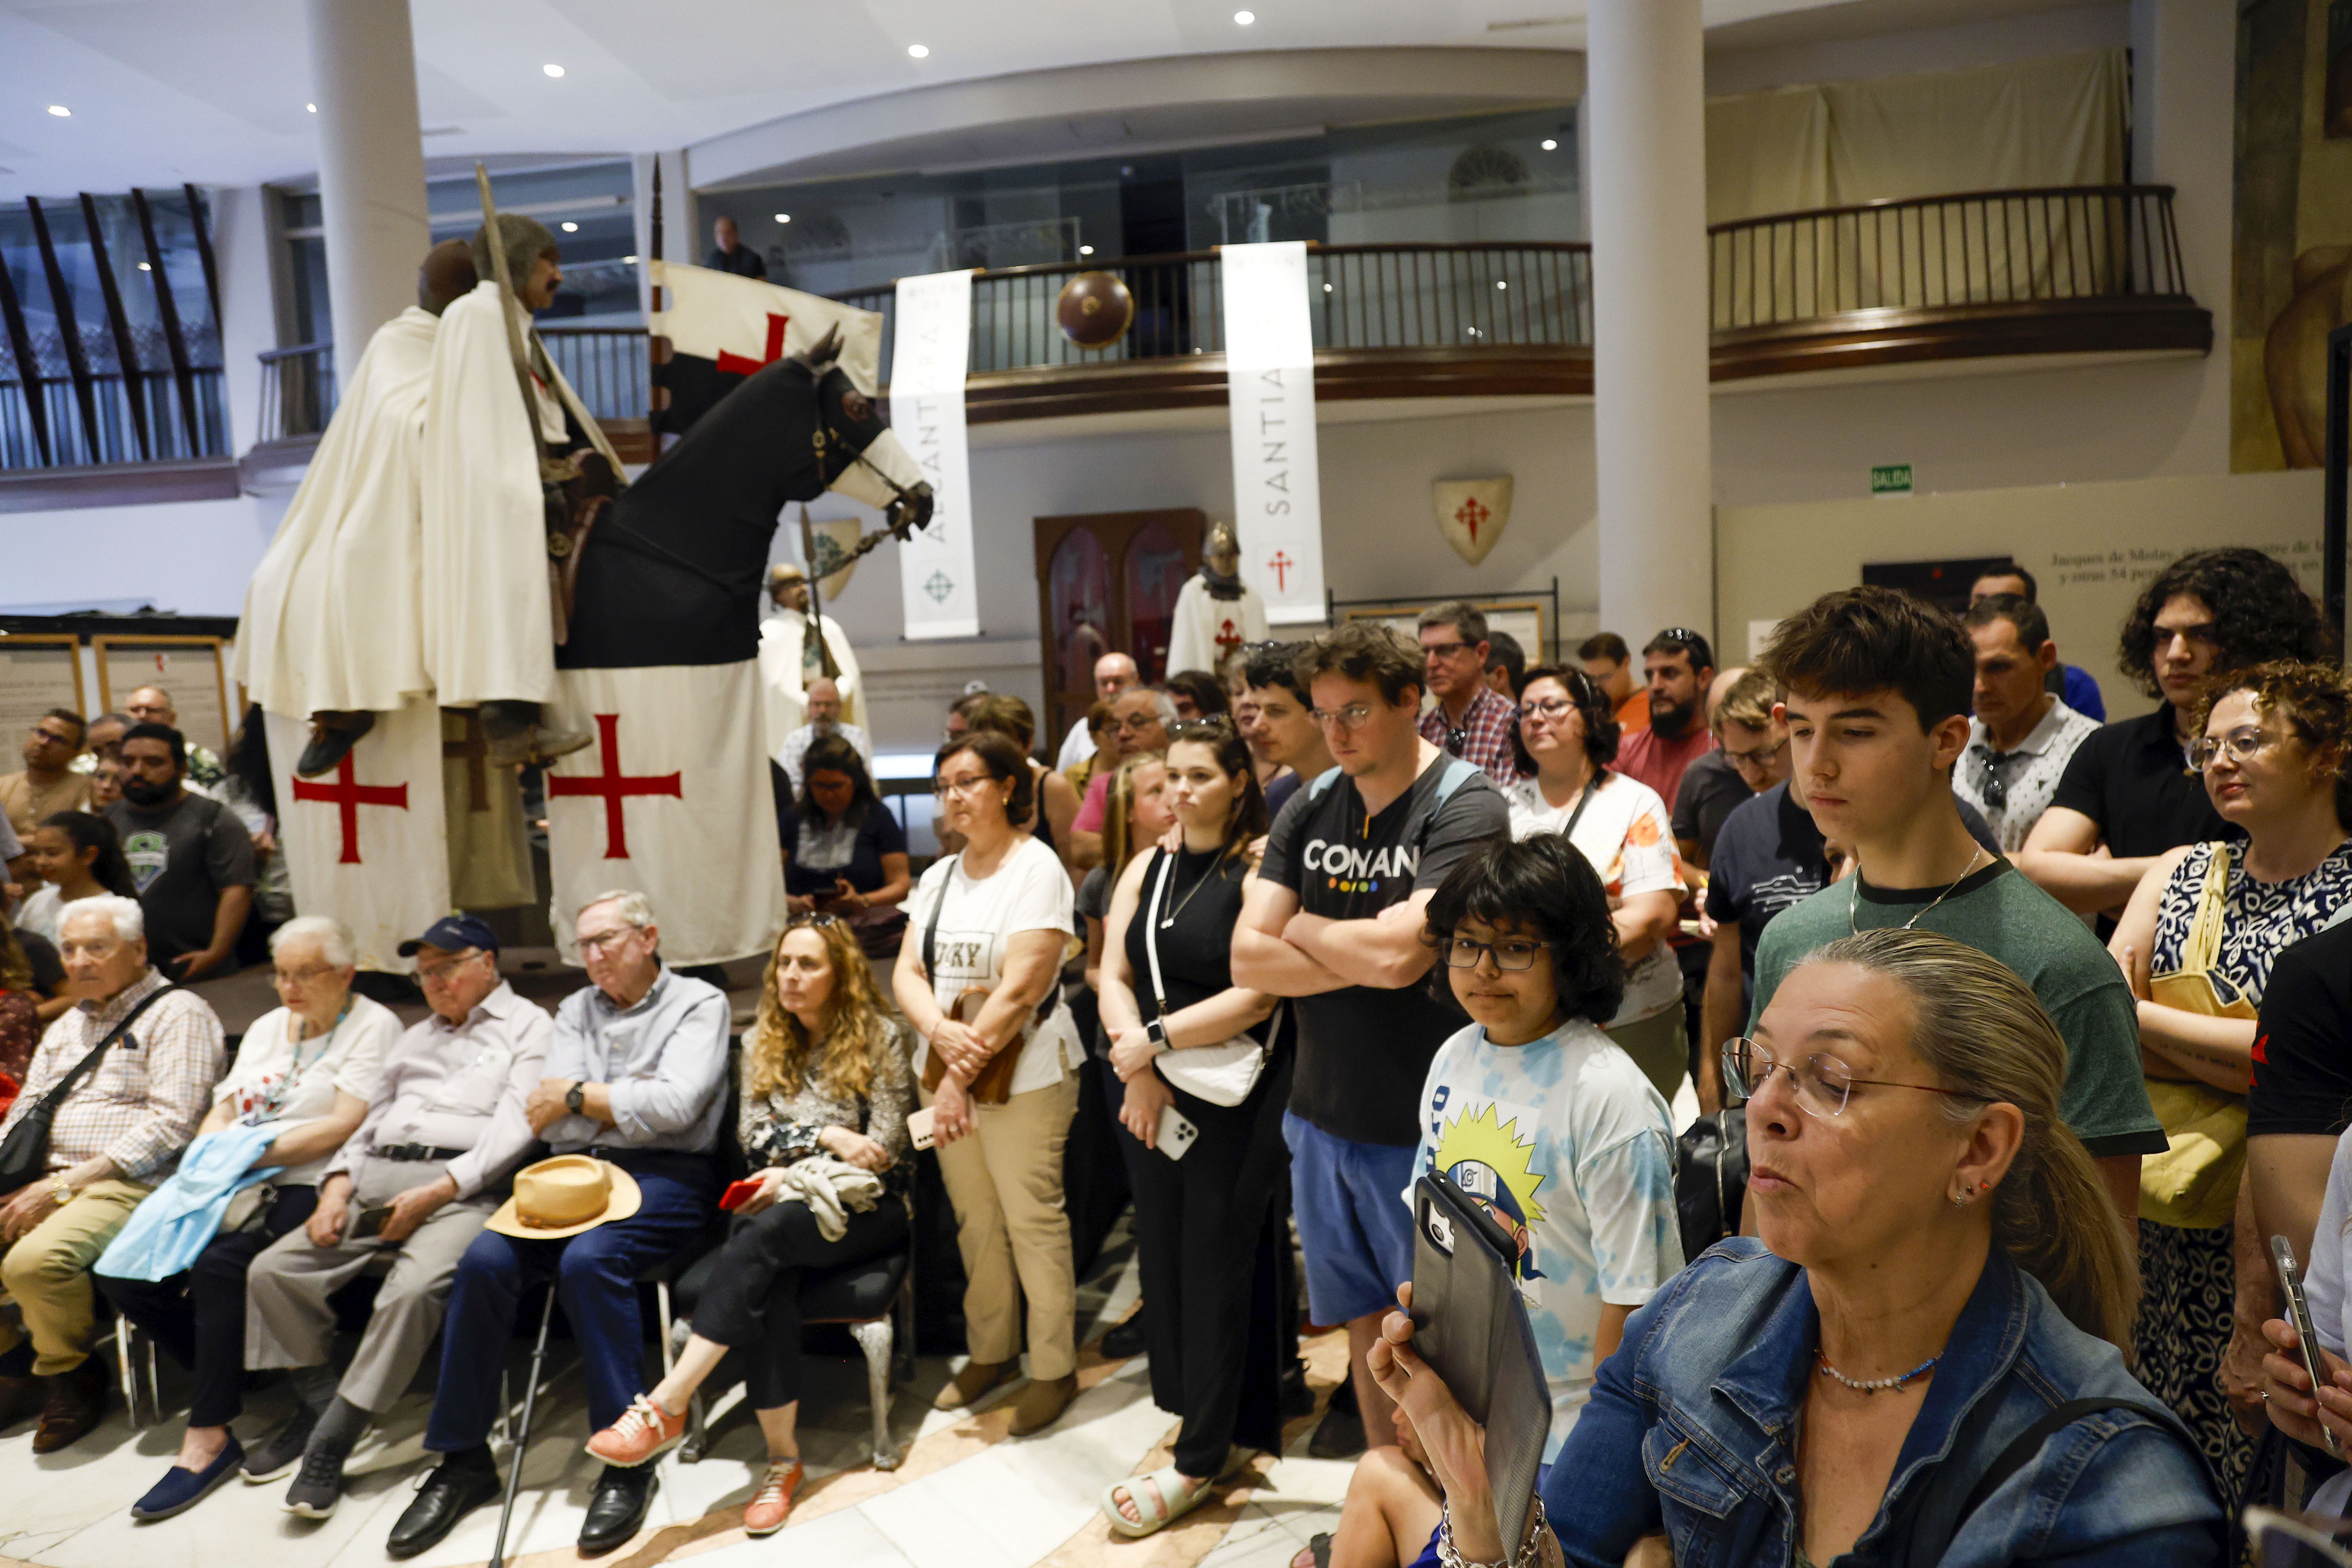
[564, 1196]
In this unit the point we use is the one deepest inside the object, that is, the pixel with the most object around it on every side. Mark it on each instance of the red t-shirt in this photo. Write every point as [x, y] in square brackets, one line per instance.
[1646, 755]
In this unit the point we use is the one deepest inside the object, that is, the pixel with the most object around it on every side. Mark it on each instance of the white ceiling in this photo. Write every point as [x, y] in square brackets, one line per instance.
[213, 90]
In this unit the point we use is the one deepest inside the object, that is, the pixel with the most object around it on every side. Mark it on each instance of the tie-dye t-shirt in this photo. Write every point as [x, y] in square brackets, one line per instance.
[1572, 1150]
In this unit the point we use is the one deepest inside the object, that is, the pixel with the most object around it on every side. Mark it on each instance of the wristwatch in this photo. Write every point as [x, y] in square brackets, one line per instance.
[1156, 1032]
[572, 1097]
[61, 1189]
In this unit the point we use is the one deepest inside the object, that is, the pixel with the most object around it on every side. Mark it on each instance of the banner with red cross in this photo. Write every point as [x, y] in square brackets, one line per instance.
[713, 329]
[364, 844]
[672, 800]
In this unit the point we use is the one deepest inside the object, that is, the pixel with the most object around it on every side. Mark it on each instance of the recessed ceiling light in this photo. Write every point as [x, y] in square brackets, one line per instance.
[144, 267]
[571, 229]
[1500, 284]
[1549, 145]
[628, 261]
[551, 68]
[1243, 18]
[783, 218]
[1327, 287]
[61, 112]
[919, 51]
[1085, 250]
[311, 106]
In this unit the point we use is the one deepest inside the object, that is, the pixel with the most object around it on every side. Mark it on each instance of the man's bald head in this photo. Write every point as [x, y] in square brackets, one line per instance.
[823, 701]
[1114, 673]
[446, 277]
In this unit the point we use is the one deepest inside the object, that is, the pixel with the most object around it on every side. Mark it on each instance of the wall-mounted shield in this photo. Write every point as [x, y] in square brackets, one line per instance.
[1472, 514]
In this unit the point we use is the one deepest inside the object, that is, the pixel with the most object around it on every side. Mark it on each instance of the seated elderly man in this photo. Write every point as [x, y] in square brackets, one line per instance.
[823, 719]
[133, 1064]
[635, 1076]
[445, 1125]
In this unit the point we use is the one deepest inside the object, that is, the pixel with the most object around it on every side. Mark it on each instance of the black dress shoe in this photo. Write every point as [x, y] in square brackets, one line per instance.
[618, 1510]
[1341, 1434]
[21, 1399]
[1298, 1399]
[1127, 1339]
[454, 1489]
[332, 736]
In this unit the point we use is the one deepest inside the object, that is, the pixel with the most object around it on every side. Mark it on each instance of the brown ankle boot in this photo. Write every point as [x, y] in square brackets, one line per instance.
[1042, 1403]
[968, 1386]
[77, 1399]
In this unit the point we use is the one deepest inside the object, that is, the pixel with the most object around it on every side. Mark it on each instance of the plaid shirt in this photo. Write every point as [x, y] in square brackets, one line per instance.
[1484, 734]
[141, 1106]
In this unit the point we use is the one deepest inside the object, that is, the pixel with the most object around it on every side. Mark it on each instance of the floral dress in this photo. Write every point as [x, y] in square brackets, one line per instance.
[2188, 1277]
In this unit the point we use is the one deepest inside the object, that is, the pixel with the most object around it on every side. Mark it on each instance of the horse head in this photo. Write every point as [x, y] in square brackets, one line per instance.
[860, 454]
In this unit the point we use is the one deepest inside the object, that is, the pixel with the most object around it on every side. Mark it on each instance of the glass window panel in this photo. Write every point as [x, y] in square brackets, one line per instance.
[1155, 575]
[184, 274]
[70, 240]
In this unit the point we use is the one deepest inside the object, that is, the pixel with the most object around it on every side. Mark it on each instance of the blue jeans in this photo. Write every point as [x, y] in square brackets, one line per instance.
[595, 1276]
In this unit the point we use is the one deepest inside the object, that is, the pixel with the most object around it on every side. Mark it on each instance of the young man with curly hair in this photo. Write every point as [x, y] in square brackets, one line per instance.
[2128, 793]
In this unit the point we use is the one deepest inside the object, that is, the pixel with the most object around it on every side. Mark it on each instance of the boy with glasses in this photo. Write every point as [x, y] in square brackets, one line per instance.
[1877, 686]
[1333, 917]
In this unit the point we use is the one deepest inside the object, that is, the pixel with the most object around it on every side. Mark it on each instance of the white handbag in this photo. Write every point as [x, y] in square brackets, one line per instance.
[1222, 1074]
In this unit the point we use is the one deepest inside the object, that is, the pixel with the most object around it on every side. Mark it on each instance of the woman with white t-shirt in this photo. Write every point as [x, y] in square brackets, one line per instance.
[311, 1064]
[1564, 742]
[978, 979]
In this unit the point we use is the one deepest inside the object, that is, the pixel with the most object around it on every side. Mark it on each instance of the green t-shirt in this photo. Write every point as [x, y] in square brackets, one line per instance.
[2000, 914]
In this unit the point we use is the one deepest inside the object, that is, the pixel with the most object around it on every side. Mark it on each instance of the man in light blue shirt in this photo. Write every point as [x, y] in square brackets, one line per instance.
[635, 1075]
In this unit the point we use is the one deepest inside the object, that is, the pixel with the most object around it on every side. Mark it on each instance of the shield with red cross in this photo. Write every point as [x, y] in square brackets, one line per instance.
[365, 843]
[672, 800]
[1471, 514]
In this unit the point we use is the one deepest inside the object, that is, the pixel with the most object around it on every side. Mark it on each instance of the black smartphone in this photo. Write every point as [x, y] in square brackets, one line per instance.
[370, 1222]
[2298, 1314]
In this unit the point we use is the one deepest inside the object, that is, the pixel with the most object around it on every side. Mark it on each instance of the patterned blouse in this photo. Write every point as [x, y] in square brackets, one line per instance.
[783, 1128]
[2258, 919]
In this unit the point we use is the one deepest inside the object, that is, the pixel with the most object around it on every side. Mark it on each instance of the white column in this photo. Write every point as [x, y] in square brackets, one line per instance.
[370, 164]
[1644, 120]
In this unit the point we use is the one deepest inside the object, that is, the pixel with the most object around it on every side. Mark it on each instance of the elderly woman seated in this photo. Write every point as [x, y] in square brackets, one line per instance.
[1939, 1292]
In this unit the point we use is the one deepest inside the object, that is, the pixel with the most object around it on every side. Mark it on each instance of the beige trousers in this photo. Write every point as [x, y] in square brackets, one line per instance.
[1660, 1046]
[46, 1274]
[1005, 1180]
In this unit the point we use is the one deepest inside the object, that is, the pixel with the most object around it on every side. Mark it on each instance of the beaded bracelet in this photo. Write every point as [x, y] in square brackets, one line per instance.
[1526, 1557]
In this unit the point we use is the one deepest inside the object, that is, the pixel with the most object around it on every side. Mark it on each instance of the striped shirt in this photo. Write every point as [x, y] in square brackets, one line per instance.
[142, 1105]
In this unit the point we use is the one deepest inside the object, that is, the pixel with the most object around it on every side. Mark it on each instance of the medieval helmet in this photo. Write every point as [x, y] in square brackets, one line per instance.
[524, 239]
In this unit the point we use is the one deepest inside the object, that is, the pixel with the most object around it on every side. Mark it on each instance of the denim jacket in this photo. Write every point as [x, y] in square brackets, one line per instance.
[1692, 1429]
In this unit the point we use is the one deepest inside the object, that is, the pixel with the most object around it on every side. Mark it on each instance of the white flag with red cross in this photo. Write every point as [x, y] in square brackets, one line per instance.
[364, 844]
[715, 329]
[672, 800]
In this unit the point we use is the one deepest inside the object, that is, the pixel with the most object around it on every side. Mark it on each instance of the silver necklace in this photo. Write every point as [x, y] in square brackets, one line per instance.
[1170, 920]
[1854, 901]
[1873, 1385]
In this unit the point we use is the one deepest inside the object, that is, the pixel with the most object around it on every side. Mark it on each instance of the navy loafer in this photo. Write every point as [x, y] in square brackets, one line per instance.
[181, 1491]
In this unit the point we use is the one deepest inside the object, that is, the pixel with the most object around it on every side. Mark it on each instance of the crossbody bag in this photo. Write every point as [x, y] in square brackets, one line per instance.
[2193, 1185]
[994, 1084]
[1222, 1074]
[25, 1157]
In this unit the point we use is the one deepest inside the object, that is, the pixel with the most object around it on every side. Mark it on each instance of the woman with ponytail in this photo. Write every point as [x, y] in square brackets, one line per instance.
[1918, 1359]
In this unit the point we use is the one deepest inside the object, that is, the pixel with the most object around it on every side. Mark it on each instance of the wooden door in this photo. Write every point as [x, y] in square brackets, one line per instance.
[1108, 582]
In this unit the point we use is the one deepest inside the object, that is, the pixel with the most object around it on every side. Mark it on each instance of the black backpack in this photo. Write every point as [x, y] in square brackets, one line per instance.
[1711, 1178]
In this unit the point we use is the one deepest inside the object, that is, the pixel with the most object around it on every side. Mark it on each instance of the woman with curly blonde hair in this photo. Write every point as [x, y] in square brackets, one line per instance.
[824, 1082]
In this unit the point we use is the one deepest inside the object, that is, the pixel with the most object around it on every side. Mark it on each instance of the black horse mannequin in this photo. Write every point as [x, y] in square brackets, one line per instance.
[673, 573]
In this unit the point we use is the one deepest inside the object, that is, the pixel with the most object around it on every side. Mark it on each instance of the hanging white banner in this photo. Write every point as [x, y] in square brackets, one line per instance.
[365, 843]
[927, 359]
[1270, 387]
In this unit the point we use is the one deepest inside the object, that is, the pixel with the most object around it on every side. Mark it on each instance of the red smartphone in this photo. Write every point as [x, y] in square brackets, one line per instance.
[738, 1193]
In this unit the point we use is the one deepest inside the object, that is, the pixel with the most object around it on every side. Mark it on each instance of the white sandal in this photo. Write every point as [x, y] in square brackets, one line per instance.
[1177, 1495]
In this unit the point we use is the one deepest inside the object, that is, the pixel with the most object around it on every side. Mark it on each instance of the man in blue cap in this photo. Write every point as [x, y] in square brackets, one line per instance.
[447, 1124]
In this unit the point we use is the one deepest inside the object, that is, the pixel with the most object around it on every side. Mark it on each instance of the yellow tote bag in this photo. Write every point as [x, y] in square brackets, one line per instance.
[2193, 1185]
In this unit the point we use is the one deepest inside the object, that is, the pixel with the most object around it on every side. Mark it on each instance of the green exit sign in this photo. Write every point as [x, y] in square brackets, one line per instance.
[1891, 480]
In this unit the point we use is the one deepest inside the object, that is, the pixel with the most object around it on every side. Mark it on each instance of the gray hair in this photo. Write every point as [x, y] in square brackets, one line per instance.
[627, 902]
[1160, 699]
[336, 943]
[130, 921]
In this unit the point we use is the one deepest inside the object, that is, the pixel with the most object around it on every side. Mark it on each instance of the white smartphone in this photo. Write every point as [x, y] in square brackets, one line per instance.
[919, 1127]
[1175, 1136]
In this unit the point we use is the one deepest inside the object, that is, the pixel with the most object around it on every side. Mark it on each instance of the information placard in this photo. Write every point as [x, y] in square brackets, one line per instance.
[38, 671]
[190, 668]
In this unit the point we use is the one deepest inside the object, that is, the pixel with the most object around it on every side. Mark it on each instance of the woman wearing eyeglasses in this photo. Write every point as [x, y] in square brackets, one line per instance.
[1564, 742]
[979, 978]
[825, 1075]
[1169, 1001]
[1939, 1286]
[308, 1067]
[2197, 941]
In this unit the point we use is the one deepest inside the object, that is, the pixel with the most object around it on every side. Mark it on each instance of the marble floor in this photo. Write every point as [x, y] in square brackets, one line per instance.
[967, 1494]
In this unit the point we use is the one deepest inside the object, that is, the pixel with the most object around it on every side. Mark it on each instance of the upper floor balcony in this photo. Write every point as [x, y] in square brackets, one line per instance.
[2026, 274]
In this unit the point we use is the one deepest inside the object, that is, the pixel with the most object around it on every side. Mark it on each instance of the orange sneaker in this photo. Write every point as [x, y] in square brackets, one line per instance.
[644, 1433]
[773, 1504]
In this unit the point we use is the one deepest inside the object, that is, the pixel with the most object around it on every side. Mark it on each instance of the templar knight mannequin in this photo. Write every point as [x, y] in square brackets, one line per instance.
[1216, 611]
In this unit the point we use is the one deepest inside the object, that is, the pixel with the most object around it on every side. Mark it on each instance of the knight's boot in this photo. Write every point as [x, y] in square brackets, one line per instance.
[333, 732]
[518, 739]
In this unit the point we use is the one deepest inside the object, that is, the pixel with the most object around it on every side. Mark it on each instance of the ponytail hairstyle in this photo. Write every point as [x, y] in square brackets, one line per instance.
[1984, 1035]
[1248, 817]
[89, 832]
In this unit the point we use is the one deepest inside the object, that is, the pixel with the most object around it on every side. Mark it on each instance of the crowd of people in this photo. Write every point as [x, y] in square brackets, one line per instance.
[2033, 1029]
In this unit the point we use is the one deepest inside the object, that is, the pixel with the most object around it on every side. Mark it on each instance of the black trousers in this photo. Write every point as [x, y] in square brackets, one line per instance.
[198, 1316]
[1212, 1271]
[753, 1304]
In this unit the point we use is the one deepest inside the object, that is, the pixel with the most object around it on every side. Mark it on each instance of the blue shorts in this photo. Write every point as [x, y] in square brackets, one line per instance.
[1353, 1220]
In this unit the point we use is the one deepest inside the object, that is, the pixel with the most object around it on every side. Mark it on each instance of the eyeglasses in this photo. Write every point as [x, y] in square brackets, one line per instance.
[1823, 1084]
[1988, 771]
[966, 785]
[1354, 716]
[604, 939]
[1753, 757]
[1136, 724]
[1446, 649]
[1555, 709]
[307, 975]
[439, 973]
[2242, 744]
[1201, 729]
[815, 919]
[1512, 957]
